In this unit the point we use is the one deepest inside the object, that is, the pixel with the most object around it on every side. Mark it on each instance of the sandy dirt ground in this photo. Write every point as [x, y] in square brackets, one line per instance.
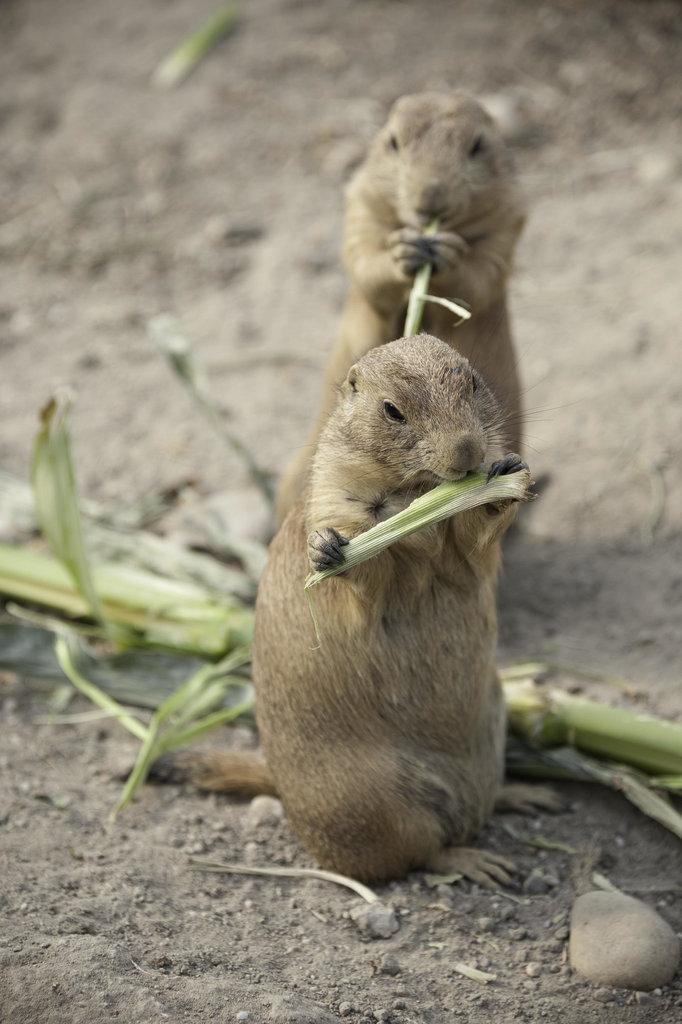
[221, 203]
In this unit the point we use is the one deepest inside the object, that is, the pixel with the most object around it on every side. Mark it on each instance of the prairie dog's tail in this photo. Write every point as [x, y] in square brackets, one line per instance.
[242, 772]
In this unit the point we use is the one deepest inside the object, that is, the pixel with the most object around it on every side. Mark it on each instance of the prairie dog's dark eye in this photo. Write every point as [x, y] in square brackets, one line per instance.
[393, 143]
[476, 146]
[392, 413]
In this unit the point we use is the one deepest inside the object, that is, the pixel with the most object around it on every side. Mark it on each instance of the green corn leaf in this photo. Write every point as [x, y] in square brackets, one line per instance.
[447, 499]
[56, 502]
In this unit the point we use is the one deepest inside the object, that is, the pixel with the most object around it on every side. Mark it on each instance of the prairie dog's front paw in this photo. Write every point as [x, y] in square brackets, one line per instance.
[411, 250]
[324, 549]
[511, 463]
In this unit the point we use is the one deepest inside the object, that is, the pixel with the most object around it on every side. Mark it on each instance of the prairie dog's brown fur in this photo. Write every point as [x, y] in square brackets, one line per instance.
[386, 742]
[437, 156]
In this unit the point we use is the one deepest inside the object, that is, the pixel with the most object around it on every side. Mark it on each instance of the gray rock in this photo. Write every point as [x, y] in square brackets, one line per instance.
[375, 920]
[535, 884]
[618, 940]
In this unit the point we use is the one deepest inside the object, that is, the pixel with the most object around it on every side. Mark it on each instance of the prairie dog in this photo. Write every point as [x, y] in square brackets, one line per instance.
[386, 743]
[437, 156]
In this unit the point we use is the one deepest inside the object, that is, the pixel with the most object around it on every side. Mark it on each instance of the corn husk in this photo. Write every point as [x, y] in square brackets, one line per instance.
[552, 717]
[140, 608]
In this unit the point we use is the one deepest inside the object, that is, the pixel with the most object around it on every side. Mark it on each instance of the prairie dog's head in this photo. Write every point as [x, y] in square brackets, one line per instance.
[418, 409]
[439, 155]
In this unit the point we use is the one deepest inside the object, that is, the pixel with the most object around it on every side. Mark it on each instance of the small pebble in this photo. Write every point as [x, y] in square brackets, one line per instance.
[242, 1015]
[375, 920]
[345, 1009]
[602, 995]
[251, 852]
[644, 998]
[382, 1015]
[389, 965]
[194, 848]
[265, 810]
[533, 969]
[485, 924]
[618, 940]
[535, 885]
[399, 1004]
[516, 934]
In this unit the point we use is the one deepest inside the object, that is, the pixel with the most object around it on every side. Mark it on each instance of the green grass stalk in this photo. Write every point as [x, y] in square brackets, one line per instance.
[178, 65]
[56, 502]
[419, 295]
[415, 305]
[177, 350]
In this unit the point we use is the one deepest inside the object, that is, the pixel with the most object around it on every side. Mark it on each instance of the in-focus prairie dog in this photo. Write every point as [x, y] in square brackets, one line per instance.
[437, 156]
[386, 742]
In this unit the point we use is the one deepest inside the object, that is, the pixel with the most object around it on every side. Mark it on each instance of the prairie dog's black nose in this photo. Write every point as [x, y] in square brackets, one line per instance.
[467, 454]
[432, 199]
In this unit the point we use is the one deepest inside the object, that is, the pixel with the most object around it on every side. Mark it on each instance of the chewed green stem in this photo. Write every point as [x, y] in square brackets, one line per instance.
[418, 295]
[443, 501]
[415, 305]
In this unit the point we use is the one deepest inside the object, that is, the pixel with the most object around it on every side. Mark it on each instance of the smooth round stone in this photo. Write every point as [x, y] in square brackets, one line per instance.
[618, 940]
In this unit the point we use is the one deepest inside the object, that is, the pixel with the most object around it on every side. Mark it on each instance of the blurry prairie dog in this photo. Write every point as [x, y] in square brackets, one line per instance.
[385, 743]
[437, 156]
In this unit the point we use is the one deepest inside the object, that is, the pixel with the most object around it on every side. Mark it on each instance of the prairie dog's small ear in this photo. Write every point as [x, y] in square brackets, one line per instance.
[352, 379]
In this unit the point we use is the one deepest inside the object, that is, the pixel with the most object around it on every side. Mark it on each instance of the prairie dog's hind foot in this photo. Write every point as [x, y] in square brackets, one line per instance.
[526, 798]
[487, 869]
